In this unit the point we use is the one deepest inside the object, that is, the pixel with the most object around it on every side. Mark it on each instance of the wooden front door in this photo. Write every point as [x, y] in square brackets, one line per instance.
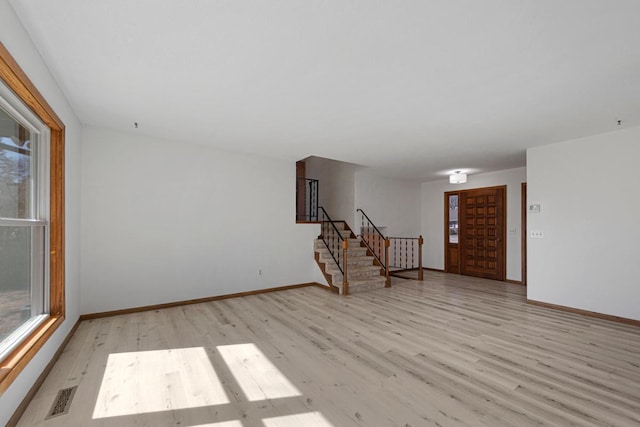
[482, 230]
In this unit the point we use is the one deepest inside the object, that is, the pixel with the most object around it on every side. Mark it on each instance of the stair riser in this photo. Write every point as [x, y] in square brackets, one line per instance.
[351, 261]
[359, 262]
[356, 275]
[337, 277]
[365, 287]
[357, 269]
[352, 269]
[351, 254]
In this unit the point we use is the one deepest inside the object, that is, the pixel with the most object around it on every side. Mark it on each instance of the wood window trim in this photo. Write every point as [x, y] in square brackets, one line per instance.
[19, 83]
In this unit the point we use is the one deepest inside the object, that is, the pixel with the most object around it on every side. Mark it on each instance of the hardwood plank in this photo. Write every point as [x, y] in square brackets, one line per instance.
[449, 351]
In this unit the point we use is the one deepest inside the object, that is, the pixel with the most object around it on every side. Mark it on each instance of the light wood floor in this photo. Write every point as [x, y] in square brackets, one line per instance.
[453, 350]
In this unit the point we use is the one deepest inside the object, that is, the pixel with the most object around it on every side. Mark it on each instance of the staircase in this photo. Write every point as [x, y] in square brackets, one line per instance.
[363, 271]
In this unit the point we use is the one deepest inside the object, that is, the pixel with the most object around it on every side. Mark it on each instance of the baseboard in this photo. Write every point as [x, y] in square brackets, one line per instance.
[194, 301]
[17, 414]
[515, 282]
[588, 313]
[439, 270]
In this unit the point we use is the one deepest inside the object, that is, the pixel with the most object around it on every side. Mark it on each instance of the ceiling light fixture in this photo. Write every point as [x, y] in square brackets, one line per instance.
[458, 178]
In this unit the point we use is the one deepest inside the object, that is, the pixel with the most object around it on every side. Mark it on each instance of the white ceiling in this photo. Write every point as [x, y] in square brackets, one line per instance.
[414, 89]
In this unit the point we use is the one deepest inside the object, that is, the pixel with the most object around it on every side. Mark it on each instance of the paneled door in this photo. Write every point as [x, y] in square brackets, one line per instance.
[482, 230]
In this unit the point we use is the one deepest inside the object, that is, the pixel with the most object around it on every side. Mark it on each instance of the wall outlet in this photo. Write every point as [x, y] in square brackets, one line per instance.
[513, 230]
[537, 234]
[260, 272]
[534, 208]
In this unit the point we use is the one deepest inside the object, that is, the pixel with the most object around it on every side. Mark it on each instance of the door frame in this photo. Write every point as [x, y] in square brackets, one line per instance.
[446, 229]
[503, 240]
[301, 189]
[523, 237]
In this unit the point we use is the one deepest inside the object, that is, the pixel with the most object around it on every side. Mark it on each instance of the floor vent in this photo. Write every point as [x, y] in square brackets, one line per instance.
[62, 402]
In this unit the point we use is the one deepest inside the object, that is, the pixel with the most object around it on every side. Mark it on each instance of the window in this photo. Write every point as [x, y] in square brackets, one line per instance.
[23, 220]
[453, 218]
[31, 220]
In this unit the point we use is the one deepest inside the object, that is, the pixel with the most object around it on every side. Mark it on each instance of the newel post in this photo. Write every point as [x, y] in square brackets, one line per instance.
[387, 243]
[345, 282]
[420, 241]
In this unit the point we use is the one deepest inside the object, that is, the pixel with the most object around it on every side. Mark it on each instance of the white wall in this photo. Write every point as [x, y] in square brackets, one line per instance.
[170, 221]
[433, 216]
[18, 43]
[587, 189]
[336, 189]
[391, 203]
[345, 187]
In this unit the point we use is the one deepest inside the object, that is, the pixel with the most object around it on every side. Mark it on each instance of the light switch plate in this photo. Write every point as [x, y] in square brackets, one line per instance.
[534, 208]
[536, 234]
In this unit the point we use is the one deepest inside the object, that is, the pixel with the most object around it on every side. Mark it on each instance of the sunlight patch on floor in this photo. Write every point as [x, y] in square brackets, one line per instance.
[234, 423]
[257, 376]
[309, 419]
[160, 380]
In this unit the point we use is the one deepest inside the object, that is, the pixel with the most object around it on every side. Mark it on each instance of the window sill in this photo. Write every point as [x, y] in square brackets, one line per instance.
[20, 357]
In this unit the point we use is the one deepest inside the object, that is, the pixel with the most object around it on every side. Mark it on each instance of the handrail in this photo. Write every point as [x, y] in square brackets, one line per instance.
[370, 222]
[382, 252]
[387, 262]
[365, 239]
[342, 245]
